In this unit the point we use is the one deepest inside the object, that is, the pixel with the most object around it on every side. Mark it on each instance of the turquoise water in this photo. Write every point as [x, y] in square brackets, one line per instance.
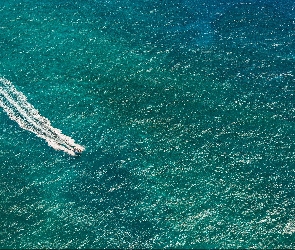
[186, 110]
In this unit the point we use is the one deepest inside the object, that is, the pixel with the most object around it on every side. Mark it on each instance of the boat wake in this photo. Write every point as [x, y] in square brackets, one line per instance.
[15, 104]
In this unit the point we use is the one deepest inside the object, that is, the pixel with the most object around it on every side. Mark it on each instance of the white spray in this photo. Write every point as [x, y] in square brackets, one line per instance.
[15, 104]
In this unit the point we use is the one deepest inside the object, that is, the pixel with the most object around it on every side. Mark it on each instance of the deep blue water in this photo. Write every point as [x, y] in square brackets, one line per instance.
[187, 113]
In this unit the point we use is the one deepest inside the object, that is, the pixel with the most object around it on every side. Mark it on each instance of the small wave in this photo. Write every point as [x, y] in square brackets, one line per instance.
[15, 104]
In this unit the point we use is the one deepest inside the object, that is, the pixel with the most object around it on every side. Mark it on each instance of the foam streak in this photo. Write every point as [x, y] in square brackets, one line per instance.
[15, 104]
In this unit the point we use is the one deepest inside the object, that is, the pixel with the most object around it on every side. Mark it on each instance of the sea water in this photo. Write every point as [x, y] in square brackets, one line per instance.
[186, 111]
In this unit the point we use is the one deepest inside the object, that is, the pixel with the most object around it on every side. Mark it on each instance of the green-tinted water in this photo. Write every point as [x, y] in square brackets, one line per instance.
[186, 111]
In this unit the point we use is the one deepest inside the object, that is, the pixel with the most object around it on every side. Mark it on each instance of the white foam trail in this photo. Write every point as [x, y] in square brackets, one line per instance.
[15, 104]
